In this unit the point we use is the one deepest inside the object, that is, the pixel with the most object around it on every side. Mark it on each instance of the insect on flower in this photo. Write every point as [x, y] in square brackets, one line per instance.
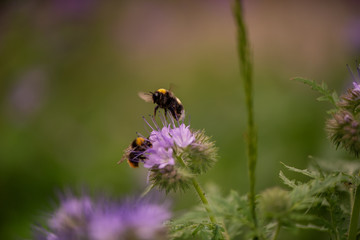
[135, 152]
[167, 100]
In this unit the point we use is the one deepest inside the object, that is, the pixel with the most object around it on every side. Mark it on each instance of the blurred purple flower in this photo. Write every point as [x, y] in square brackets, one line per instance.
[83, 218]
[73, 8]
[28, 94]
[72, 213]
[352, 34]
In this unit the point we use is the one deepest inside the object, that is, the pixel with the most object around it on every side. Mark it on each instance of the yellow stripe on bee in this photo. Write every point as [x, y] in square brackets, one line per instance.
[140, 141]
[131, 164]
[162, 90]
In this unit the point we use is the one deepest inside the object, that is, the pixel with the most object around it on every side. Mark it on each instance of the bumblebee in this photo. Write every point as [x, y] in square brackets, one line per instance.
[165, 99]
[135, 152]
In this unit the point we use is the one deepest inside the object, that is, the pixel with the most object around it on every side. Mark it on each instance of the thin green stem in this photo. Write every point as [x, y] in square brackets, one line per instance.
[203, 200]
[277, 230]
[245, 65]
[354, 220]
[200, 192]
[202, 196]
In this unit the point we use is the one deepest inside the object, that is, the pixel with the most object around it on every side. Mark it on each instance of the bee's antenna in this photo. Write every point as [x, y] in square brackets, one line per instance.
[358, 67]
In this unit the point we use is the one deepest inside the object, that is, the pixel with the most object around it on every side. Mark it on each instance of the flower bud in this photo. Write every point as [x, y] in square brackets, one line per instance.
[201, 154]
[343, 129]
[170, 178]
[275, 203]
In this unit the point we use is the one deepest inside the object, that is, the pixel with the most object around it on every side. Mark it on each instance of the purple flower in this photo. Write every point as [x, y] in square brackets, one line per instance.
[161, 138]
[182, 136]
[159, 157]
[71, 216]
[83, 218]
[356, 87]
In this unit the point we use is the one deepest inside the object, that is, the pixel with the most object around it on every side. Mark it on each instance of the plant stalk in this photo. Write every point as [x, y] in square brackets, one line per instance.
[276, 233]
[354, 220]
[200, 192]
[245, 64]
[202, 196]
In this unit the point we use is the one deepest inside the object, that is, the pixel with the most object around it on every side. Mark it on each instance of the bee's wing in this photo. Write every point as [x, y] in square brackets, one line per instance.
[178, 100]
[147, 97]
[182, 116]
[125, 155]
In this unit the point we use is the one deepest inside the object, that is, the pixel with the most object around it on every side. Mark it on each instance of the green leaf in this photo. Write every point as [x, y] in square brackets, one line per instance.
[306, 172]
[312, 227]
[327, 95]
[217, 233]
[288, 182]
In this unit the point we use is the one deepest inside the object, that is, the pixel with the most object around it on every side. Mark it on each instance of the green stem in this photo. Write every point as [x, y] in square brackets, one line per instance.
[203, 200]
[354, 215]
[245, 65]
[201, 194]
[276, 233]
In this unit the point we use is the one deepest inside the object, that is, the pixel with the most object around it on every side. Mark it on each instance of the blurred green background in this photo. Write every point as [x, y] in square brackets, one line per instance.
[70, 71]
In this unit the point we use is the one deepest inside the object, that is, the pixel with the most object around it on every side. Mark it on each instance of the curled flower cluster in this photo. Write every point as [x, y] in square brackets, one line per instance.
[83, 218]
[344, 126]
[176, 153]
[344, 130]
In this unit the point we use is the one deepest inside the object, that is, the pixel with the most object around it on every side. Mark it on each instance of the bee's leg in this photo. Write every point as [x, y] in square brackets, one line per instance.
[156, 108]
[173, 113]
[165, 110]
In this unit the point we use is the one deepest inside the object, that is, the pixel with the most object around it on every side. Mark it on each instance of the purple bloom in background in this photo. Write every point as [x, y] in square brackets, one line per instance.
[28, 94]
[72, 212]
[182, 136]
[83, 218]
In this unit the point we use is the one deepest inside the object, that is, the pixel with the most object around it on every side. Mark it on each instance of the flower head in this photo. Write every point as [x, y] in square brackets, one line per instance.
[275, 203]
[182, 136]
[84, 218]
[71, 217]
[344, 130]
[159, 157]
[176, 154]
[162, 138]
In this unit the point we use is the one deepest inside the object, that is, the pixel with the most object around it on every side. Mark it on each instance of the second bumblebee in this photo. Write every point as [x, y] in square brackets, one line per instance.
[167, 100]
[135, 153]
